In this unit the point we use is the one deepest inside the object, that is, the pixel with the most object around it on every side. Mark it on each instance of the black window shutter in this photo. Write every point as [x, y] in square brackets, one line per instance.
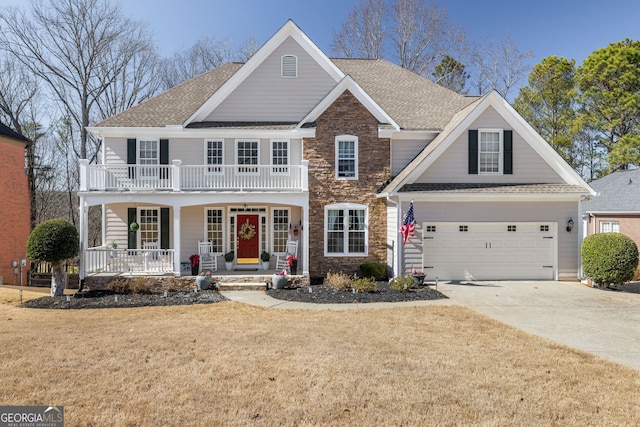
[131, 156]
[131, 235]
[473, 151]
[164, 158]
[164, 228]
[508, 152]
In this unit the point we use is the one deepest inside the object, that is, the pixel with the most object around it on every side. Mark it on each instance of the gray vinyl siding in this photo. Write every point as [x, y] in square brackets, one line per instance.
[559, 212]
[528, 166]
[116, 225]
[115, 151]
[403, 151]
[265, 96]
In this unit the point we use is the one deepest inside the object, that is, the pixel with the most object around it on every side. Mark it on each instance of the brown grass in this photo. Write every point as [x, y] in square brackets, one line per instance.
[232, 364]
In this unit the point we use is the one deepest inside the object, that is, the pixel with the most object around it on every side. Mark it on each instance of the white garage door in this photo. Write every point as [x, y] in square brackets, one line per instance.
[489, 250]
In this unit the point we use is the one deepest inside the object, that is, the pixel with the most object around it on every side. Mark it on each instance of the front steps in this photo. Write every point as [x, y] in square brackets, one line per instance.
[248, 286]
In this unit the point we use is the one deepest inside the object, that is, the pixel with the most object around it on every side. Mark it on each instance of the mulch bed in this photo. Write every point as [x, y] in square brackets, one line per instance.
[323, 294]
[107, 299]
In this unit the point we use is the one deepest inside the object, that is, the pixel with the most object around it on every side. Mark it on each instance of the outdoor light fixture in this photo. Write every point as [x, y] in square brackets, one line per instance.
[569, 225]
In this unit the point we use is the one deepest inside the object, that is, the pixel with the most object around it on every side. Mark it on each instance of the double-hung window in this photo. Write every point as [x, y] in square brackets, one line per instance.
[214, 229]
[609, 227]
[490, 151]
[247, 154]
[149, 156]
[214, 155]
[279, 157]
[346, 230]
[280, 230]
[346, 157]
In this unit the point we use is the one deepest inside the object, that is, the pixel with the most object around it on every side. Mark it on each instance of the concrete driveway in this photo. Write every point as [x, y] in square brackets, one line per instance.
[603, 322]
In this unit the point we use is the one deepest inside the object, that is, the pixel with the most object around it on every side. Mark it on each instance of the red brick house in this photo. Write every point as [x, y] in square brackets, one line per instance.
[14, 205]
[293, 146]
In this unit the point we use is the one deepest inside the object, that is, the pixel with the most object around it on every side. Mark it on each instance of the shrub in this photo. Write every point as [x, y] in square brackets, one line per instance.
[364, 284]
[53, 241]
[137, 285]
[609, 258]
[338, 281]
[402, 283]
[377, 270]
[119, 286]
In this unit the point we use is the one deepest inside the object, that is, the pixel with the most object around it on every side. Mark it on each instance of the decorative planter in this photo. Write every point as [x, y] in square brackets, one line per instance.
[228, 265]
[195, 269]
[278, 281]
[294, 267]
[203, 282]
[265, 265]
[418, 279]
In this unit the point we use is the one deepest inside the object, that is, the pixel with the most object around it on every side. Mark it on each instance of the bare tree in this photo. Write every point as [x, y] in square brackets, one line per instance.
[498, 65]
[363, 34]
[248, 48]
[205, 54]
[79, 48]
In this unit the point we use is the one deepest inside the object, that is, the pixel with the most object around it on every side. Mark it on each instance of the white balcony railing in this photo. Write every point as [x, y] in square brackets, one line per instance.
[106, 260]
[178, 177]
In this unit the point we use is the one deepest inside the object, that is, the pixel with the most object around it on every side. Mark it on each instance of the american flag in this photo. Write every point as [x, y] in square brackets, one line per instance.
[408, 224]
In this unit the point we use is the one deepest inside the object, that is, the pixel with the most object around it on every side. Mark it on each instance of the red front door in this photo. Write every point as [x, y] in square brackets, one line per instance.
[247, 238]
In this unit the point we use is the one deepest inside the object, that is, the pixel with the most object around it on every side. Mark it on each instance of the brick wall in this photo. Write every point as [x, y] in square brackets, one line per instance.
[629, 225]
[346, 117]
[14, 209]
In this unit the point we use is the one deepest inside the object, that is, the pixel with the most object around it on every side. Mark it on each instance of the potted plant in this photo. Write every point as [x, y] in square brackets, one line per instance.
[292, 263]
[418, 276]
[279, 279]
[228, 260]
[203, 280]
[195, 264]
[265, 257]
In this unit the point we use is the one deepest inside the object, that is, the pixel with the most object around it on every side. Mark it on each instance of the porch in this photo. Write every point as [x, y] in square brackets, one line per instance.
[178, 177]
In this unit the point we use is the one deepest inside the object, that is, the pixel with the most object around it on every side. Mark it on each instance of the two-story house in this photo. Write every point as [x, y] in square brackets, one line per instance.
[14, 207]
[329, 153]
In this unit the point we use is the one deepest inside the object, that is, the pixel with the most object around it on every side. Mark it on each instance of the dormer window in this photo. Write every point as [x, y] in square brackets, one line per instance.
[289, 66]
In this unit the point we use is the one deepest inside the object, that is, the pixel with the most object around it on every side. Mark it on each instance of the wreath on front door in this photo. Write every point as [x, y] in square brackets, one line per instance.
[247, 231]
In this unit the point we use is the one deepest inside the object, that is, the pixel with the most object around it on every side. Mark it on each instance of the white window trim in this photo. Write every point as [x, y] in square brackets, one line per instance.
[271, 170]
[282, 74]
[271, 229]
[257, 166]
[500, 154]
[346, 207]
[206, 156]
[224, 225]
[139, 216]
[355, 147]
[142, 174]
[611, 224]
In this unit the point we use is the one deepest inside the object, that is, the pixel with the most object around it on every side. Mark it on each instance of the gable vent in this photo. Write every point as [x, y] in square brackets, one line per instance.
[290, 66]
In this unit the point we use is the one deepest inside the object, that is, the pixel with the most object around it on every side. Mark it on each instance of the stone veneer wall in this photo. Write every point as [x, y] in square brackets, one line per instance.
[346, 116]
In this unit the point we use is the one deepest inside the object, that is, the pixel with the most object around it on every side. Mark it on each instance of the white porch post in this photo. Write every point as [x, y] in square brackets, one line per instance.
[83, 218]
[305, 175]
[176, 240]
[83, 165]
[176, 174]
[305, 238]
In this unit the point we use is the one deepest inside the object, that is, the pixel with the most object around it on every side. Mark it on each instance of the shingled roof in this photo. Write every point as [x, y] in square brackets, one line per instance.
[415, 103]
[10, 133]
[617, 192]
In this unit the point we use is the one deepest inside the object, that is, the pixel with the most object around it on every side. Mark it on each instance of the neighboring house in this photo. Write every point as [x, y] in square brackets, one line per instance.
[292, 145]
[14, 206]
[616, 207]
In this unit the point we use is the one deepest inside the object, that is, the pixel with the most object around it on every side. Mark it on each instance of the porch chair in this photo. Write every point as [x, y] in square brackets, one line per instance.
[208, 260]
[151, 249]
[292, 249]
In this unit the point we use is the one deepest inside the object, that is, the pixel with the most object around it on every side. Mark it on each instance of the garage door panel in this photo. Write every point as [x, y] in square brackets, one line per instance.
[489, 251]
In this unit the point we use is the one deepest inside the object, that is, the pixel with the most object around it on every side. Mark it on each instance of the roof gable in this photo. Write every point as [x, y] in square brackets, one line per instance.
[288, 31]
[461, 122]
[616, 192]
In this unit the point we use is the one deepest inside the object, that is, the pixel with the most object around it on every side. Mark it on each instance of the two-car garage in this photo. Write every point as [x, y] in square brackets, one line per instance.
[490, 250]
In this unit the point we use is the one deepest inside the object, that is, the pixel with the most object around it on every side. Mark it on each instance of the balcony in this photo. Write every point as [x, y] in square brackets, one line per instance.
[178, 177]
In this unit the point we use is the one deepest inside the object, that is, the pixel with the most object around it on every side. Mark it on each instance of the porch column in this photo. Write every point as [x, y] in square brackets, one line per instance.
[305, 238]
[176, 240]
[176, 174]
[83, 218]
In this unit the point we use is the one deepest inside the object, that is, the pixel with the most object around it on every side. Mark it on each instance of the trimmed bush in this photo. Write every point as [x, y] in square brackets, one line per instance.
[338, 281]
[402, 283]
[53, 241]
[365, 285]
[377, 270]
[609, 258]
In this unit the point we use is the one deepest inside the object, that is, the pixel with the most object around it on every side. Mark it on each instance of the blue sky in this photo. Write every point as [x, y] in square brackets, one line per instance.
[569, 28]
